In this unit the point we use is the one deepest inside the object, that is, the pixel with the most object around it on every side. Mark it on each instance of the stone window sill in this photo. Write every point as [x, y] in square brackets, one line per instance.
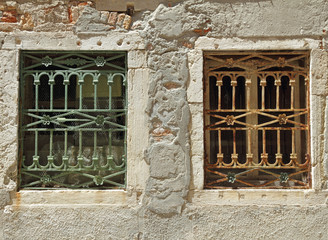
[259, 197]
[69, 197]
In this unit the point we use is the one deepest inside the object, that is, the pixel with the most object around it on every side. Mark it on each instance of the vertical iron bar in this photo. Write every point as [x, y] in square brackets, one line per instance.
[36, 97]
[125, 118]
[307, 93]
[109, 142]
[51, 142]
[95, 82]
[219, 95]
[109, 82]
[249, 146]
[263, 84]
[95, 144]
[36, 143]
[278, 141]
[264, 141]
[234, 141]
[65, 147]
[293, 141]
[292, 90]
[80, 156]
[80, 102]
[278, 84]
[220, 143]
[248, 93]
[51, 95]
[233, 84]
[66, 93]
[80, 143]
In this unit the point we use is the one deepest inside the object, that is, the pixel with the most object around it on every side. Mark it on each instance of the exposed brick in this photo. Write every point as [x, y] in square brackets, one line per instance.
[150, 46]
[9, 16]
[160, 132]
[83, 4]
[171, 85]
[73, 12]
[120, 19]
[127, 22]
[112, 18]
[202, 32]
[11, 5]
[187, 44]
[27, 22]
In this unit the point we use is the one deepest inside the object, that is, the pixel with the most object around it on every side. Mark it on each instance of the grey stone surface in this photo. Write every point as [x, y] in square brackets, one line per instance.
[90, 21]
[164, 197]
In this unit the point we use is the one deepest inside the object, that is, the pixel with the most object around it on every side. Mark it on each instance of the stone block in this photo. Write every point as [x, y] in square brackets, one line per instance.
[90, 21]
[138, 127]
[319, 72]
[196, 131]
[112, 18]
[137, 59]
[73, 14]
[104, 16]
[195, 86]
[127, 22]
[27, 22]
[8, 27]
[120, 19]
[197, 167]
[163, 161]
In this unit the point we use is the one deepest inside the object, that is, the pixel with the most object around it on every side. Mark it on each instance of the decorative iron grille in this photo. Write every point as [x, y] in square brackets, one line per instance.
[256, 113]
[73, 109]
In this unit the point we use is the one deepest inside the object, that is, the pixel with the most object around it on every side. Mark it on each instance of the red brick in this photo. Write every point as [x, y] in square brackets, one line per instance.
[27, 22]
[127, 22]
[9, 16]
[202, 32]
[120, 19]
[112, 18]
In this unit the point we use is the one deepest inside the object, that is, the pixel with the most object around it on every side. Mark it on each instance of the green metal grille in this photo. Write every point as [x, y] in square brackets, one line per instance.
[73, 119]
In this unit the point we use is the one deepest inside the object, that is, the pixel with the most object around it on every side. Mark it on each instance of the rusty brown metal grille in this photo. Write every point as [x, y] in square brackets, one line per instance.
[256, 114]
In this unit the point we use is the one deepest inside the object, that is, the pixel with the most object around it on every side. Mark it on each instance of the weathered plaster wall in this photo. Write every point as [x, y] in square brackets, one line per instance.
[164, 198]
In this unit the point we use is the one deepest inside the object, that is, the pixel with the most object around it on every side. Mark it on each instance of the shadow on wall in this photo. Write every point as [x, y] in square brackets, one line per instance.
[238, 1]
[121, 6]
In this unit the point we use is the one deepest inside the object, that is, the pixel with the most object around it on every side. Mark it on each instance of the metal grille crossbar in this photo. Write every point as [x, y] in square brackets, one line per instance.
[73, 119]
[256, 113]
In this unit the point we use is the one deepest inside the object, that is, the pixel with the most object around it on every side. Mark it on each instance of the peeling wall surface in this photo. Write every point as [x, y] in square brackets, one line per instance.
[164, 198]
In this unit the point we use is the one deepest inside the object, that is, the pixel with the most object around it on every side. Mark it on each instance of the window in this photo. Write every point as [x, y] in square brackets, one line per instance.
[256, 118]
[73, 109]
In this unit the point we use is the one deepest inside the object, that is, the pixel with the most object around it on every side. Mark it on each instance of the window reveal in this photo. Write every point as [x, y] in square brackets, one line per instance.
[72, 119]
[256, 113]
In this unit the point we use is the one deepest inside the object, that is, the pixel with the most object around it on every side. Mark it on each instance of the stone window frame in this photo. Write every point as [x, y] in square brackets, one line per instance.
[195, 99]
[137, 169]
